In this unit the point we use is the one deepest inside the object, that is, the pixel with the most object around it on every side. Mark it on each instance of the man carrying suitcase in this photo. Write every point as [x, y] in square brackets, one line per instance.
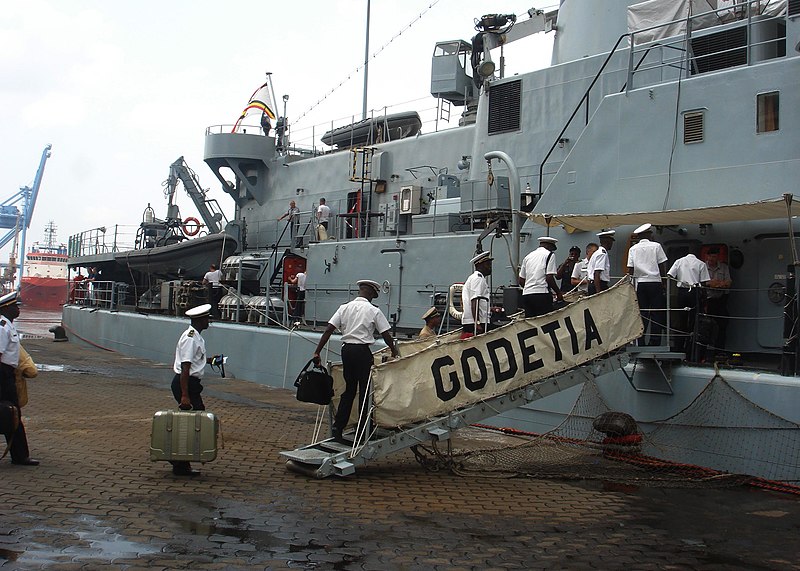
[190, 363]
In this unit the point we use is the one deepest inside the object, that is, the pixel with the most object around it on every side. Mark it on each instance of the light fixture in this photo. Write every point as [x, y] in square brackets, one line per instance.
[486, 69]
[464, 163]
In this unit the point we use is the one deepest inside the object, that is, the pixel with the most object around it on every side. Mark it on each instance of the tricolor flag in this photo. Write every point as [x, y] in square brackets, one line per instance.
[261, 100]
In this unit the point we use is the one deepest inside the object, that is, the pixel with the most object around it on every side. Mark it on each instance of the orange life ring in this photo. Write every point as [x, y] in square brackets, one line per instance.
[191, 226]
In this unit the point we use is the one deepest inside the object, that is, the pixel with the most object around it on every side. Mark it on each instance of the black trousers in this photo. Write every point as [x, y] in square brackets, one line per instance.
[691, 299]
[195, 388]
[357, 361]
[536, 304]
[214, 295]
[299, 304]
[592, 290]
[8, 392]
[651, 297]
[718, 307]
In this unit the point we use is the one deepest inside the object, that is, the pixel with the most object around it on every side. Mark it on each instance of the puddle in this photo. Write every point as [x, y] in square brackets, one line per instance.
[63, 369]
[228, 532]
[92, 542]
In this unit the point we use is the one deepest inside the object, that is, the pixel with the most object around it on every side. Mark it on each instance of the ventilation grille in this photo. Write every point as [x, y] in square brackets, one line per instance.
[504, 107]
[794, 7]
[719, 51]
[693, 127]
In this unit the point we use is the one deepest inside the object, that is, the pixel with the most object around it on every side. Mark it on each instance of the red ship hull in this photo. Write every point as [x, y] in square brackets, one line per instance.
[43, 293]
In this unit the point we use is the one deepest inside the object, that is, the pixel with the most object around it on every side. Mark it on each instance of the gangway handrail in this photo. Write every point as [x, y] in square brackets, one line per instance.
[332, 458]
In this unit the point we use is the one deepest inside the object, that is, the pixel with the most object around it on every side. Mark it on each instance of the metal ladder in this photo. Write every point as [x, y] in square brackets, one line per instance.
[334, 458]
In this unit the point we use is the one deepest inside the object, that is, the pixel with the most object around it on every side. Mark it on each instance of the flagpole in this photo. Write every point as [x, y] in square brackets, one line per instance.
[366, 67]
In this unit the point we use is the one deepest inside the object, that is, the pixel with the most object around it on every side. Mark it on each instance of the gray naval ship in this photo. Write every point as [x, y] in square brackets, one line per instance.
[679, 113]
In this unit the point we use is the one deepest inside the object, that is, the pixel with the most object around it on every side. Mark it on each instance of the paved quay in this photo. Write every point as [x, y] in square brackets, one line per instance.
[97, 502]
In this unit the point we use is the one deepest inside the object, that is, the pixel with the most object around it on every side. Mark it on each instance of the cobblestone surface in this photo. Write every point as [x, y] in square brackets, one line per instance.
[97, 501]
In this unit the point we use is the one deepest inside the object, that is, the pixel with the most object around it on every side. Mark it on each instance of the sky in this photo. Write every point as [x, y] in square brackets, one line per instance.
[121, 89]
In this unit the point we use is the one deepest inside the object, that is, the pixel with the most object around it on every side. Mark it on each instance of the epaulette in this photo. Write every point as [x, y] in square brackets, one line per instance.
[2, 322]
[191, 333]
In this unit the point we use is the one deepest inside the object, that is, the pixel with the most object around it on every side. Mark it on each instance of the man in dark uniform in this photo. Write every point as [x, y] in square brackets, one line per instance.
[9, 359]
[190, 363]
[357, 320]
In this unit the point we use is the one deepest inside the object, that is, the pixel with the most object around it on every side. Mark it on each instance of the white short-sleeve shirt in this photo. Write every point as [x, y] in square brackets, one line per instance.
[689, 271]
[9, 342]
[323, 213]
[644, 257]
[534, 270]
[475, 286]
[358, 320]
[213, 277]
[599, 261]
[580, 272]
[301, 281]
[191, 348]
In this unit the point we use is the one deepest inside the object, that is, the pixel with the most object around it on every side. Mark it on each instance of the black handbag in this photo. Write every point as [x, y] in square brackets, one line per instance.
[9, 418]
[314, 384]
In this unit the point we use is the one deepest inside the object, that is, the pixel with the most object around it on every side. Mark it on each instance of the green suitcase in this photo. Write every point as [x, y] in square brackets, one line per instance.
[184, 436]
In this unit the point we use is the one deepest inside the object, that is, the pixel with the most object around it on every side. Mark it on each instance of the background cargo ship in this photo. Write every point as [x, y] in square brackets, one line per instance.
[681, 114]
[45, 273]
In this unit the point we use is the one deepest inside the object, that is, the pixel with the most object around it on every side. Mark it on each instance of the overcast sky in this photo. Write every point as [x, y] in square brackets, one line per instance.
[121, 89]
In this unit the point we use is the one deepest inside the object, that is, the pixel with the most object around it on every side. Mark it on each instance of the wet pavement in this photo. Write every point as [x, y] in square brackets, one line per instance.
[97, 501]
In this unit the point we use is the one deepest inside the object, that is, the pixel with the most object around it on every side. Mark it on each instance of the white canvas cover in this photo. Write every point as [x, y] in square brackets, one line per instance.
[761, 210]
[456, 373]
[670, 15]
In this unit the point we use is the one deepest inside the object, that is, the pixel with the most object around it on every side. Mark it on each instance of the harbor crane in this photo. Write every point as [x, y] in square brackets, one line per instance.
[17, 221]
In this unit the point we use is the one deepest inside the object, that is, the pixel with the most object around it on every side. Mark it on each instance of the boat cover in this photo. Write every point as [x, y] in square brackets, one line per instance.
[669, 16]
[454, 373]
[762, 210]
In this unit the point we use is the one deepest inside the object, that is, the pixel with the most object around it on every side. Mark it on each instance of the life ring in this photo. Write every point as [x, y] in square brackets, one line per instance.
[455, 290]
[191, 226]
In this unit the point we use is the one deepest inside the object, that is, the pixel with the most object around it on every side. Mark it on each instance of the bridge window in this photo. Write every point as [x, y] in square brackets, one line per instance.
[767, 111]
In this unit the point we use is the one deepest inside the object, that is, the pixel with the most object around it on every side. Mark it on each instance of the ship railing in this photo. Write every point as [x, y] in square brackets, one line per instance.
[95, 293]
[688, 58]
[701, 328]
[102, 240]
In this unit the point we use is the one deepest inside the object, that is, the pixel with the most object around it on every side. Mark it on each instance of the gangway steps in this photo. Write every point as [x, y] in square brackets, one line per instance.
[335, 458]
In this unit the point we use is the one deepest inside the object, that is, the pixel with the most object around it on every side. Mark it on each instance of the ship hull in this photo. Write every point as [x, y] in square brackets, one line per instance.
[43, 293]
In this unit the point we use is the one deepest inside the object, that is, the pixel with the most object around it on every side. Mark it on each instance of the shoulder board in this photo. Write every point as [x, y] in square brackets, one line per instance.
[2, 322]
[191, 333]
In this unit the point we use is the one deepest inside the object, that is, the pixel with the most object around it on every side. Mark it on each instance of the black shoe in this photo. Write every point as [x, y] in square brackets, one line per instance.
[181, 471]
[26, 462]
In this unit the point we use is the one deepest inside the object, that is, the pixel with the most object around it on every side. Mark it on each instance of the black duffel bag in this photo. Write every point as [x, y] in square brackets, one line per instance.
[314, 384]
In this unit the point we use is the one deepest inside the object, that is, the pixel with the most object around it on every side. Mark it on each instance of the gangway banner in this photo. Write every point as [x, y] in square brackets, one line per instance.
[454, 373]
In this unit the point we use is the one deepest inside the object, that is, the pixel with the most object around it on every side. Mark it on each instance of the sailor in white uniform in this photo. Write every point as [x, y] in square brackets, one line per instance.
[599, 268]
[537, 276]
[9, 359]
[475, 296]
[189, 366]
[646, 263]
[357, 320]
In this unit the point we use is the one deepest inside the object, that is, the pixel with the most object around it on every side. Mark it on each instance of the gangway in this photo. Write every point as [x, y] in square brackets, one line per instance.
[336, 458]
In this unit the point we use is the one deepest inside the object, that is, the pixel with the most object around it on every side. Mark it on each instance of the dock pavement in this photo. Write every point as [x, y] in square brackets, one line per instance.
[97, 502]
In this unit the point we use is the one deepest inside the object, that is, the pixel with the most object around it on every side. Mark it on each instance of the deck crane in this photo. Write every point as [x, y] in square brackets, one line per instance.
[17, 221]
[208, 208]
